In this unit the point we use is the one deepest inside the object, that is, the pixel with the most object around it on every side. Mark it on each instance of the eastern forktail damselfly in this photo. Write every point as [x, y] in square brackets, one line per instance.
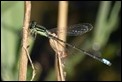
[74, 30]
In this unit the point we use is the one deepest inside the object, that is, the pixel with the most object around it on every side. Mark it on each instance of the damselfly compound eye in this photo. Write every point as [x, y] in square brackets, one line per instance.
[32, 24]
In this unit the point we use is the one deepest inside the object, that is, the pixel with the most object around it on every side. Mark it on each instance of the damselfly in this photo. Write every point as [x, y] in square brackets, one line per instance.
[74, 30]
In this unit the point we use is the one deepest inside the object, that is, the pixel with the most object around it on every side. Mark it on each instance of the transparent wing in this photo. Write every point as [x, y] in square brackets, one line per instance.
[75, 30]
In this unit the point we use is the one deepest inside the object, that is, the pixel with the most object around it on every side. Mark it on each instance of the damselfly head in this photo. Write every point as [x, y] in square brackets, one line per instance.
[32, 24]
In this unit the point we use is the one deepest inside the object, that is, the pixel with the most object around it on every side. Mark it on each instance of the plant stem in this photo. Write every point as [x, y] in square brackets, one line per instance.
[62, 24]
[23, 56]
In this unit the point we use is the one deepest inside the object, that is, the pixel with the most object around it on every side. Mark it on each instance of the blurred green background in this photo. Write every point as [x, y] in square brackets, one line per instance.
[104, 40]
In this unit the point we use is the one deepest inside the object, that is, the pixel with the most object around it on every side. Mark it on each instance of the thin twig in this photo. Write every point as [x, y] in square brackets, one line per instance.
[54, 44]
[59, 65]
[23, 56]
[34, 71]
